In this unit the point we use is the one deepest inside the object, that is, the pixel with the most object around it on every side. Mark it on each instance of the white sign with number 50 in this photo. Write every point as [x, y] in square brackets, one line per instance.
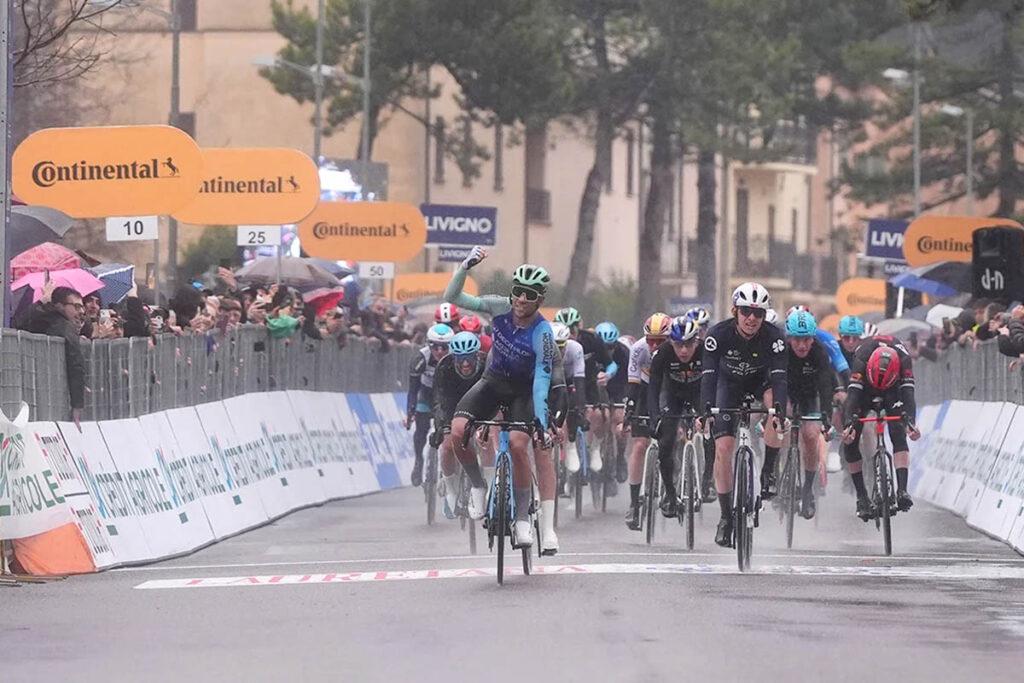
[376, 270]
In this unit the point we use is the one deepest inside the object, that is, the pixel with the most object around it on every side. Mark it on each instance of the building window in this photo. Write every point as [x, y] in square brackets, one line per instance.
[186, 10]
[630, 168]
[439, 144]
[499, 156]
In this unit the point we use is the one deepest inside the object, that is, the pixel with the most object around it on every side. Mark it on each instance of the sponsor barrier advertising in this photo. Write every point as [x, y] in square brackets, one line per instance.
[137, 490]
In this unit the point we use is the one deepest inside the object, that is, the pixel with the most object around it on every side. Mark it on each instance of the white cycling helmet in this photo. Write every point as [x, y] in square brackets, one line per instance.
[561, 332]
[794, 309]
[870, 330]
[753, 295]
[440, 334]
[771, 317]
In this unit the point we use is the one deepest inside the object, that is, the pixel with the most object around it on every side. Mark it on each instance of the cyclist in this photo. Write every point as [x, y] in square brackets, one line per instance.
[702, 317]
[471, 323]
[574, 368]
[608, 333]
[882, 368]
[519, 367]
[656, 329]
[870, 330]
[743, 356]
[674, 388]
[851, 330]
[811, 382]
[420, 395]
[449, 314]
[835, 351]
[771, 317]
[600, 368]
[455, 375]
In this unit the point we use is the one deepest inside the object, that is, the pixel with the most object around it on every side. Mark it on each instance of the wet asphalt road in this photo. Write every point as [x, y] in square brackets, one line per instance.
[345, 592]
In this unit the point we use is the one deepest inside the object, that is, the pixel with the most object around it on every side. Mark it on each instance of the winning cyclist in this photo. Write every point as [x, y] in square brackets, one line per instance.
[519, 368]
[674, 389]
[455, 375]
[743, 356]
[420, 395]
[882, 368]
[811, 382]
[600, 368]
[608, 333]
[656, 329]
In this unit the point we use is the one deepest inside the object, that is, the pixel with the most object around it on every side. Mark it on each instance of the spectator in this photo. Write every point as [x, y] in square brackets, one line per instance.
[1011, 335]
[59, 314]
[91, 315]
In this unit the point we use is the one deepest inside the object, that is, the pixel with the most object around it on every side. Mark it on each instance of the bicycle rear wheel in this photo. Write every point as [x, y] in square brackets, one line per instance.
[651, 484]
[430, 485]
[502, 515]
[689, 491]
[886, 499]
[788, 490]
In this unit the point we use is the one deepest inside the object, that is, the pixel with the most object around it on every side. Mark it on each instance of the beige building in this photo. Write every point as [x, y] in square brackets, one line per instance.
[773, 217]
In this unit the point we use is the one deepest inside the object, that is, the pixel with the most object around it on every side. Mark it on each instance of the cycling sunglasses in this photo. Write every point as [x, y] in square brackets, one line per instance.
[530, 294]
[438, 347]
[747, 311]
[465, 357]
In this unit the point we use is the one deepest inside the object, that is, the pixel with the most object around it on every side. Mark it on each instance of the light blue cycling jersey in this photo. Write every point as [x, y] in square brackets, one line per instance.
[835, 352]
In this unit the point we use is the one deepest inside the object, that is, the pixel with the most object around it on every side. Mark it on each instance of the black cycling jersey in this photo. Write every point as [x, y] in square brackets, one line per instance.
[745, 365]
[421, 380]
[848, 355]
[595, 354]
[674, 383]
[811, 380]
[617, 385]
[860, 393]
[449, 388]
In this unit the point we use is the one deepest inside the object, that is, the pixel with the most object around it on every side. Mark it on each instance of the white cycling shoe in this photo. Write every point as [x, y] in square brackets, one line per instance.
[832, 463]
[595, 457]
[572, 460]
[477, 503]
[522, 534]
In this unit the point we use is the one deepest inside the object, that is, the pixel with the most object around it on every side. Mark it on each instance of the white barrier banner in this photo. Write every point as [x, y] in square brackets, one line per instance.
[330, 457]
[230, 506]
[980, 440]
[248, 453]
[30, 499]
[75, 492]
[108, 491]
[992, 513]
[290, 447]
[170, 528]
[355, 437]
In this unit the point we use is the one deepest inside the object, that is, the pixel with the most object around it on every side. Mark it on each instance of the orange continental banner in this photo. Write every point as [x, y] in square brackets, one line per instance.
[272, 186]
[549, 312]
[364, 231]
[108, 171]
[930, 239]
[411, 286]
[860, 295]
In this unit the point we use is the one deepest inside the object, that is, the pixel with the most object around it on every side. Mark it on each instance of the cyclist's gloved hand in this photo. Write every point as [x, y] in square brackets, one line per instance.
[436, 438]
[542, 437]
[477, 255]
[913, 433]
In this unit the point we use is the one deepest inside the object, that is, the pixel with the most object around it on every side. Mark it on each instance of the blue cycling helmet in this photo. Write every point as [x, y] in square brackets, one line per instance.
[607, 332]
[683, 329]
[465, 344]
[851, 326]
[801, 324]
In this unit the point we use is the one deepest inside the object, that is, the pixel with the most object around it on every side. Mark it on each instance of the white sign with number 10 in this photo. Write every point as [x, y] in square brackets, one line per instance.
[132, 228]
[259, 235]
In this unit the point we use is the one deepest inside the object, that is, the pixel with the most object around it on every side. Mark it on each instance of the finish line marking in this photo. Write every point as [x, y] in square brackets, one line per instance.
[933, 573]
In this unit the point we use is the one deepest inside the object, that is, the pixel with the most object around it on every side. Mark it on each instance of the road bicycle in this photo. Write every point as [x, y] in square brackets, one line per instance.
[687, 467]
[791, 480]
[430, 489]
[746, 505]
[501, 502]
[883, 497]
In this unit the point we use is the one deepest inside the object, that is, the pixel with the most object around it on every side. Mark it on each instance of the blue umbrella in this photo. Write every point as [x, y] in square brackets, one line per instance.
[945, 278]
[118, 280]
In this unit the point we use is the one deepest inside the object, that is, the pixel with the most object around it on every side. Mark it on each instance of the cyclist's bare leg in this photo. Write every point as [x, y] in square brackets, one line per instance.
[448, 459]
[546, 479]
[810, 442]
[725, 446]
[465, 453]
[519, 447]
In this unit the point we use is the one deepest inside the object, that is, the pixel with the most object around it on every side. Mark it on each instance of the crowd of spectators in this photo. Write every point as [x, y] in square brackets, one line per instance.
[981, 320]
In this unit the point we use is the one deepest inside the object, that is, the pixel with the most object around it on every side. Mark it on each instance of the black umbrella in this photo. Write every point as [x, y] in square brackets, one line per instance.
[33, 225]
[953, 276]
[293, 272]
[333, 267]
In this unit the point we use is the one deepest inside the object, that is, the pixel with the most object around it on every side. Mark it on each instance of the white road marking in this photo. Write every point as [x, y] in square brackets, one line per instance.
[928, 573]
[723, 555]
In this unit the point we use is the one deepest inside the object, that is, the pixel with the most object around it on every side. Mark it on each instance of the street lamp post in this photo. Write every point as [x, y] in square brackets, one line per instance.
[175, 115]
[318, 84]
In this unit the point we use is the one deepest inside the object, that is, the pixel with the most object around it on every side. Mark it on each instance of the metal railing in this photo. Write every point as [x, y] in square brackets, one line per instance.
[981, 374]
[131, 377]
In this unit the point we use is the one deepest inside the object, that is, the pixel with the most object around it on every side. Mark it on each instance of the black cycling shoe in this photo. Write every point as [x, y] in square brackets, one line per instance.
[611, 487]
[669, 506]
[708, 486]
[723, 536]
[808, 506]
[865, 510]
[417, 472]
[621, 469]
[769, 485]
[903, 501]
[633, 517]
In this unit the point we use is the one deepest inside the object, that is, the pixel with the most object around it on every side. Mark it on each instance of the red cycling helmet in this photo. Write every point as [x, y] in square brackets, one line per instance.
[485, 343]
[447, 314]
[471, 323]
[883, 367]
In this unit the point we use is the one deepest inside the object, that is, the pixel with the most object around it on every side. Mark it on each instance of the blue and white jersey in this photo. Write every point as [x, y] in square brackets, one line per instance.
[524, 355]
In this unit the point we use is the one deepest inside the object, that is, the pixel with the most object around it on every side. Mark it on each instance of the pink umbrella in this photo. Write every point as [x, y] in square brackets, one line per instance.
[77, 279]
[46, 256]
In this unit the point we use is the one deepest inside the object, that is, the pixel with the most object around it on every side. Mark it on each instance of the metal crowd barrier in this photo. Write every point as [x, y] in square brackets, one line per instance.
[981, 374]
[132, 377]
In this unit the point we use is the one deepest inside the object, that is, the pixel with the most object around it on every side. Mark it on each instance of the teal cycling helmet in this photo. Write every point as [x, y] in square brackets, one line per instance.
[568, 316]
[464, 344]
[440, 334]
[851, 326]
[532, 276]
[607, 332]
[801, 324]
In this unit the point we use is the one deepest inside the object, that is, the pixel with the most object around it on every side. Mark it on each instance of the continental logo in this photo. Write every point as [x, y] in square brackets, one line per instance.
[48, 173]
[324, 230]
[265, 185]
[927, 245]
[403, 294]
[858, 300]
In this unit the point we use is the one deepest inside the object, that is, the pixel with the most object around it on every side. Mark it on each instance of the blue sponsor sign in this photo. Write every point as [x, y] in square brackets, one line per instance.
[450, 224]
[885, 239]
[452, 254]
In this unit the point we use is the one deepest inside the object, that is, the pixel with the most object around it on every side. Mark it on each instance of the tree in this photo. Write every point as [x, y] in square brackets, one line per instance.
[214, 244]
[58, 40]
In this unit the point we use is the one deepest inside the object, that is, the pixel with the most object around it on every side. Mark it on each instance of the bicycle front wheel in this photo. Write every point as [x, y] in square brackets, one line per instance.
[744, 503]
[788, 491]
[430, 485]
[652, 481]
[886, 497]
[503, 517]
[689, 491]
